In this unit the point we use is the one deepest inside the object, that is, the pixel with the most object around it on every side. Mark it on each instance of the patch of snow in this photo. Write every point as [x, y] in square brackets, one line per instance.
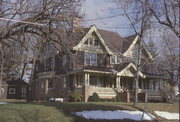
[3, 103]
[118, 114]
[167, 115]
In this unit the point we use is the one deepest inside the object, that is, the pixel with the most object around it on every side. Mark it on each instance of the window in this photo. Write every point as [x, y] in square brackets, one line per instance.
[12, 90]
[113, 59]
[64, 62]
[23, 92]
[91, 41]
[50, 83]
[119, 60]
[48, 64]
[90, 58]
[93, 80]
[42, 85]
[79, 80]
[2, 90]
[64, 80]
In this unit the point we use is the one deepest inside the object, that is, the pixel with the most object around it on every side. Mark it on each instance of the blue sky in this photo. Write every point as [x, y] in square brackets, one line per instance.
[95, 9]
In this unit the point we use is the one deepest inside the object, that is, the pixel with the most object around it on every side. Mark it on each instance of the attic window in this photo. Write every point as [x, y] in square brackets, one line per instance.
[91, 40]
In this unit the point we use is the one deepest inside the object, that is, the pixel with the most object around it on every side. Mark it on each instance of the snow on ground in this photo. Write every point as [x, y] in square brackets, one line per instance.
[119, 114]
[167, 115]
[3, 103]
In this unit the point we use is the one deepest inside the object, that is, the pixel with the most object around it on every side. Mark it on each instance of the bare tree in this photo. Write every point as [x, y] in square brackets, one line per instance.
[138, 15]
[170, 59]
[28, 24]
[166, 12]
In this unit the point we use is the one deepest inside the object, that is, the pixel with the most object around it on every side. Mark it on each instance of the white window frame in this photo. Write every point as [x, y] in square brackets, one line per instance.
[116, 59]
[12, 89]
[90, 59]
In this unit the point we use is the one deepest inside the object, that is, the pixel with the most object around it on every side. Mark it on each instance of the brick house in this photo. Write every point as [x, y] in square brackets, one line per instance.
[98, 61]
[14, 89]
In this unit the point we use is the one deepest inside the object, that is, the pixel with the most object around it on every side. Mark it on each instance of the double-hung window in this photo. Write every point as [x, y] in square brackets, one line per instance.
[90, 58]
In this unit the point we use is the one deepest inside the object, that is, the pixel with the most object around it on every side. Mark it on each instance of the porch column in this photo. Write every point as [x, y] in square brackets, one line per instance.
[46, 86]
[118, 81]
[86, 90]
[86, 79]
[142, 84]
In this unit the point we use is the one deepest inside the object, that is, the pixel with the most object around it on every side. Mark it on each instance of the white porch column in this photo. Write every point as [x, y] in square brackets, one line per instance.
[46, 86]
[142, 84]
[86, 79]
[118, 81]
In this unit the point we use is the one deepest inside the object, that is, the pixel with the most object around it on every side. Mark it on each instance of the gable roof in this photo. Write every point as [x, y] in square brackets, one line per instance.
[126, 70]
[127, 43]
[112, 41]
[93, 29]
[17, 82]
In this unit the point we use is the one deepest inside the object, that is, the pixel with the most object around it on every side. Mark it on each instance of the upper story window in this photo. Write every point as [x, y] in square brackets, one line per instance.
[64, 61]
[115, 59]
[90, 58]
[92, 41]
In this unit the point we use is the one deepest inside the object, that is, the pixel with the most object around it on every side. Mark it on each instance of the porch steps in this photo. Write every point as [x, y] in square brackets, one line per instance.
[103, 92]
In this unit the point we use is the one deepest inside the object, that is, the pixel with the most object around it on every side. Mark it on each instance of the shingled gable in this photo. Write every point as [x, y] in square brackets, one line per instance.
[130, 43]
[93, 29]
[125, 71]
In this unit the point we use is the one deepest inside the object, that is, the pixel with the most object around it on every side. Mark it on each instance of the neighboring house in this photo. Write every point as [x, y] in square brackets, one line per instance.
[14, 89]
[98, 61]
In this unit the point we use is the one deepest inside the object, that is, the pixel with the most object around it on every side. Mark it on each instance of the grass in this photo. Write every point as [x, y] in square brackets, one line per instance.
[62, 112]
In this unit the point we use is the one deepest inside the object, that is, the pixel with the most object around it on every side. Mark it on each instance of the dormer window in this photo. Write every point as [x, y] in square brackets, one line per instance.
[115, 59]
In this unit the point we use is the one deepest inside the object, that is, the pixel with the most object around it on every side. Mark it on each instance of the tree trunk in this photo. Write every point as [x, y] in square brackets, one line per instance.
[23, 71]
[1, 77]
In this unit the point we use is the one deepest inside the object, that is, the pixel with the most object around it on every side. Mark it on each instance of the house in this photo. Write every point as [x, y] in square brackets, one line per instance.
[14, 89]
[97, 61]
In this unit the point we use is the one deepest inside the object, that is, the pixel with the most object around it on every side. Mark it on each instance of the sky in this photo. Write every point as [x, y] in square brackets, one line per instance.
[96, 9]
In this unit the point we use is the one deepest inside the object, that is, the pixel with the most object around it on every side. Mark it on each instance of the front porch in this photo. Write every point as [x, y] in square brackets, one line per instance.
[107, 85]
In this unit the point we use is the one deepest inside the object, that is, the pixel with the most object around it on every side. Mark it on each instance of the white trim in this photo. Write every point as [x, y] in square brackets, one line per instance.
[92, 29]
[129, 73]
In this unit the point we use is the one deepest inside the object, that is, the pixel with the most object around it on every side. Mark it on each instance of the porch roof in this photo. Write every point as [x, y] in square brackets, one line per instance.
[154, 75]
[98, 69]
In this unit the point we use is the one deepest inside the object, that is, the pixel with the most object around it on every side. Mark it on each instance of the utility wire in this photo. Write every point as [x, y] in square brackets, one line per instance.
[26, 22]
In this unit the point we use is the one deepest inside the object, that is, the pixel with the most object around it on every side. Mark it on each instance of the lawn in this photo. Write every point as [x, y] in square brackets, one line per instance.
[62, 112]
